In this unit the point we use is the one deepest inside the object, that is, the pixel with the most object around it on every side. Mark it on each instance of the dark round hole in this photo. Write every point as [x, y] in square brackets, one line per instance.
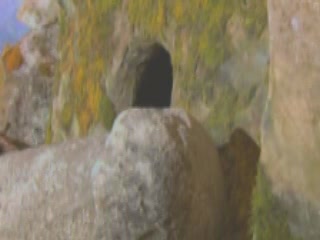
[154, 87]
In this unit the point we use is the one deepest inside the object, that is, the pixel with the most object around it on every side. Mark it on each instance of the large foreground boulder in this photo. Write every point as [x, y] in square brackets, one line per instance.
[156, 176]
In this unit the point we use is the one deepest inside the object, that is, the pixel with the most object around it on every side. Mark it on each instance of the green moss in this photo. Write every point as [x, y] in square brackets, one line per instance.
[269, 220]
[85, 57]
[200, 37]
[196, 29]
[106, 112]
[223, 111]
[66, 115]
[255, 14]
[48, 134]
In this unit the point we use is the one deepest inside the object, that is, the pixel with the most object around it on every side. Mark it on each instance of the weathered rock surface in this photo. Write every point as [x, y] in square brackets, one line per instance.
[26, 92]
[155, 176]
[81, 105]
[219, 53]
[26, 85]
[37, 14]
[8, 144]
[290, 137]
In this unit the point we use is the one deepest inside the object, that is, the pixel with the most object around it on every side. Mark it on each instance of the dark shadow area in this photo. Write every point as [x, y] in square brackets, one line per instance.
[239, 160]
[154, 88]
[8, 144]
[1, 150]
[144, 77]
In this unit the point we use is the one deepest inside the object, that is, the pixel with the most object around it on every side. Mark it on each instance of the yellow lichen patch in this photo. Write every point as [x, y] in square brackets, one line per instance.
[99, 65]
[66, 115]
[48, 137]
[78, 81]
[12, 58]
[178, 10]
[2, 74]
[194, 31]
[94, 94]
[45, 69]
[89, 4]
[158, 20]
[83, 43]
[84, 120]
[203, 3]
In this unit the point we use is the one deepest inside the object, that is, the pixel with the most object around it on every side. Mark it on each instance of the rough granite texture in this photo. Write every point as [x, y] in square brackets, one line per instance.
[290, 132]
[37, 14]
[155, 176]
[26, 92]
[27, 73]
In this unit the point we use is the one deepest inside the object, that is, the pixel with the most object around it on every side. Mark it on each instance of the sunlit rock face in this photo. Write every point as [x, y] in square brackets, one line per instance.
[291, 131]
[27, 76]
[157, 175]
[26, 89]
[37, 14]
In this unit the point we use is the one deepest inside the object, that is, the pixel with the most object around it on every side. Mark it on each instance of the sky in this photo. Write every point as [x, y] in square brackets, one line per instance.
[11, 29]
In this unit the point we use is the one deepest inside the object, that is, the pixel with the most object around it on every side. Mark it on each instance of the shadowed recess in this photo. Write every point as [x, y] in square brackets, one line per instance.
[239, 159]
[154, 87]
[144, 77]
[8, 144]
